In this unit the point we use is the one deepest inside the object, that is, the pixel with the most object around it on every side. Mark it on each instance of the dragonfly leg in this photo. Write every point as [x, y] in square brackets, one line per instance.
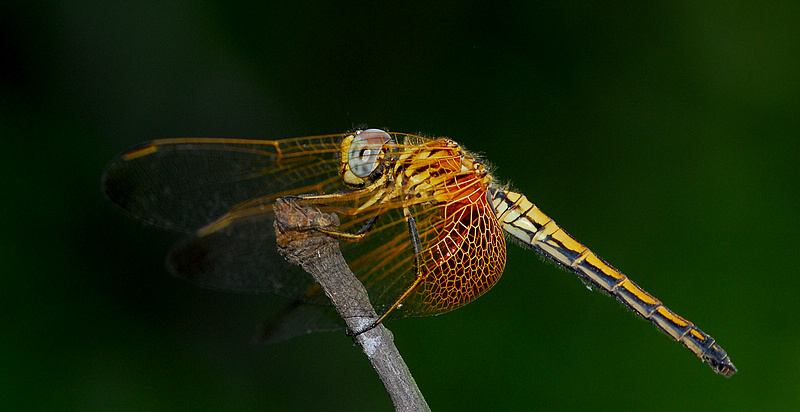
[394, 306]
[245, 210]
[324, 198]
[417, 245]
[353, 237]
[338, 197]
[346, 195]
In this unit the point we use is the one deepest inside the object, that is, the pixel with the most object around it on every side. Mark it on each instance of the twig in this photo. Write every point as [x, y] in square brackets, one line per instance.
[319, 255]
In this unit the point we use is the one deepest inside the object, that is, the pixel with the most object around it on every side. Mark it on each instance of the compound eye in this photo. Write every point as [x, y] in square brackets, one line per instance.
[364, 151]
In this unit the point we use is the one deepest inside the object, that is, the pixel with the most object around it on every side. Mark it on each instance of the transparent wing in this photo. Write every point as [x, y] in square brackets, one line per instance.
[185, 184]
[242, 257]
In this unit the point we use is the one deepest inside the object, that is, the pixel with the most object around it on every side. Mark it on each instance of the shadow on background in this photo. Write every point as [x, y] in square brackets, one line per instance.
[662, 136]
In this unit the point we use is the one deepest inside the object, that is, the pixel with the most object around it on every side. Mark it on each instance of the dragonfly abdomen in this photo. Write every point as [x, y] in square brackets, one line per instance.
[523, 221]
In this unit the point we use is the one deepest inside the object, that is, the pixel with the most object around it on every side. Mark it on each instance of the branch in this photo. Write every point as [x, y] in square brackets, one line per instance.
[319, 255]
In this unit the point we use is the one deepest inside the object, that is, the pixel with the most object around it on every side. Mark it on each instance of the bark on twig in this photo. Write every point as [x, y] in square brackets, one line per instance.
[320, 256]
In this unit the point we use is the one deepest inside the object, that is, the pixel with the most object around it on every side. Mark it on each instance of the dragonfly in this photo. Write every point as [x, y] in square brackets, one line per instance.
[423, 224]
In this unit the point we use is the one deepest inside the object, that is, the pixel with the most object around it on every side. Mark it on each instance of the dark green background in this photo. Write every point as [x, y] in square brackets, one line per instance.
[665, 137]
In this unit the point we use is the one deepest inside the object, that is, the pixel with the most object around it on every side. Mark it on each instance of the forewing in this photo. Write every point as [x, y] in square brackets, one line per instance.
[185, 184]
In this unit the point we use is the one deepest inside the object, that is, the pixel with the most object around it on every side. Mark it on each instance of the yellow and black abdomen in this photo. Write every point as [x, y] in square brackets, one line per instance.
[523, 221]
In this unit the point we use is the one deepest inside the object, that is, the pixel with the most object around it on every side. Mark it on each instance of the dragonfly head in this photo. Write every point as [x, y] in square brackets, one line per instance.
[362, 153]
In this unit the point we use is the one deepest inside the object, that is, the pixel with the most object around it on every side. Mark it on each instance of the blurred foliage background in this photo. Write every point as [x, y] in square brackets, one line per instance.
[663, 136]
